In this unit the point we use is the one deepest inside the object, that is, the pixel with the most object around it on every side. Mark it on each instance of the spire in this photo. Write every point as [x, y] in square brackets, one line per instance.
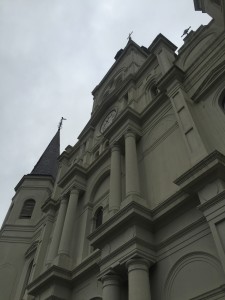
[48, 163]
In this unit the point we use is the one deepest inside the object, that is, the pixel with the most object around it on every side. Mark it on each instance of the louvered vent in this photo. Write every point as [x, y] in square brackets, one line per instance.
[27, 209]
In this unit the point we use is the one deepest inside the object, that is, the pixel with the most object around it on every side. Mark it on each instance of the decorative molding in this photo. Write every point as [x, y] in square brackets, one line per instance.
[217, 292]
[212, 202]
[181, 233]
[210, 167]
[160, 139]
[215, 76]
[174, 74]
[182, 262]
[133, 211]
[54, 275]
[33, 247]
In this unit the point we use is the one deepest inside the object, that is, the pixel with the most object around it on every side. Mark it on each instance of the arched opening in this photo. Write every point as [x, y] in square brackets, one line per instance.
[98, 218]
[106, 144]
[27, 279]
[223, 104]
[222, 101]
[154, 91]
[27, 209]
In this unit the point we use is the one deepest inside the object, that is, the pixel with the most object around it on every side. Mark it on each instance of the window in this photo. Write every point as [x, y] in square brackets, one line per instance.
[106, 144]
[223, 104]
[98, 217]
[27, 279]
[27, 209]
[154, 91]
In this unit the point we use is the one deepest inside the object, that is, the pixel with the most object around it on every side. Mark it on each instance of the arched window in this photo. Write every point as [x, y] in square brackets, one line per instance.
[154, 91]
[96, 155]
[27, 279]
[106, 144]
[98, 217]
[223, 104]
[27, 209]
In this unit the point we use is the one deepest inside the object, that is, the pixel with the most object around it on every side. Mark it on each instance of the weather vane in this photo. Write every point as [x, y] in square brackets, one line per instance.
[186, 31]
[60, 123]
[129, 36]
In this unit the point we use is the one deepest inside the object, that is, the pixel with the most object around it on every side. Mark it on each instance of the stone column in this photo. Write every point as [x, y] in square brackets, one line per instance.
[53, 249]
[115, 180]
[138, 279]
[68, 228]
[111, 287]
[131, 165]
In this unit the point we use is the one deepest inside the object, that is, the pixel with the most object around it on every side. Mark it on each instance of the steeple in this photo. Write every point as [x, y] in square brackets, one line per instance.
[48, 163]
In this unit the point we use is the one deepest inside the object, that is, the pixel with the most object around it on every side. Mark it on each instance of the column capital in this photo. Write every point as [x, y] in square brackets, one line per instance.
[115, 147]
[138, 264]
[64, 199]
[130, 133]
[74, 190]
[110, 279]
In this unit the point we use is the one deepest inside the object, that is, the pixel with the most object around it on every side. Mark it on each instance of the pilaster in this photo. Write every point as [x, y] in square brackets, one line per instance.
[68, 228]
[53, 249]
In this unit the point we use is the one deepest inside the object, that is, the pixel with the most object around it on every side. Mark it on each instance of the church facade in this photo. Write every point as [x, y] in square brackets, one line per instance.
[135, 210]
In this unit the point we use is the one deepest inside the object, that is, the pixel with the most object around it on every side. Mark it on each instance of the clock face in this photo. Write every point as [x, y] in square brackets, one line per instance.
[108, 120]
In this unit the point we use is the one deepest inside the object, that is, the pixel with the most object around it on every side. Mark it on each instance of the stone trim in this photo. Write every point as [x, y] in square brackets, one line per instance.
[210, 167]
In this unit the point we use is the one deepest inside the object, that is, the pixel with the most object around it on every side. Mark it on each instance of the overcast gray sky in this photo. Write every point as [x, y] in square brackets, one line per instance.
[52, 55]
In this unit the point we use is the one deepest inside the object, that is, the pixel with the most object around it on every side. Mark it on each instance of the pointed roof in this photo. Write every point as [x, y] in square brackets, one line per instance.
[48, 163]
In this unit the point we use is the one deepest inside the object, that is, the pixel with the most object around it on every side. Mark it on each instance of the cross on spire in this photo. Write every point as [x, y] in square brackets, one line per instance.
[60, 123]
[129, 36]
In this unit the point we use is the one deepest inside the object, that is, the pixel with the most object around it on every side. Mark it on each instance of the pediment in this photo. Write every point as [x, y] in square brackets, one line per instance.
[128, 63]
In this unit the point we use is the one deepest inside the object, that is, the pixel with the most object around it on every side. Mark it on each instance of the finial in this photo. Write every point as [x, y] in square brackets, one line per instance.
[129, 36]
[186, 31]
[60, 123]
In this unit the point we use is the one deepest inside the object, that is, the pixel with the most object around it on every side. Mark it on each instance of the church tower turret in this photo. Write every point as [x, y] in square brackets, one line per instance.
[24, 222]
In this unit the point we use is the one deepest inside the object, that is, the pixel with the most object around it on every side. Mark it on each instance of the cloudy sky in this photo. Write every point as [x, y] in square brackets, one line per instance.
[52, 55]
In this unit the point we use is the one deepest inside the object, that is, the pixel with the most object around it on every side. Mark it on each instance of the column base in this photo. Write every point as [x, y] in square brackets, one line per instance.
[132, 197]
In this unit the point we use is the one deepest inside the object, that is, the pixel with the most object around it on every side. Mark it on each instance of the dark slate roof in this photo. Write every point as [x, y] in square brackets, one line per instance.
[48, 163]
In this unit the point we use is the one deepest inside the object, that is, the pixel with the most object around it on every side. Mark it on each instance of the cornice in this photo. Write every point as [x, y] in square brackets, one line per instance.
[217, 292]
[50, 204]
[169, 204]
[181, 233]
[88, 264]
[174, 74]
[148, 253]
[54, 275]
[212, 202]
[209, 168]
[75, 170]
[132, 213]
[34, 178]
